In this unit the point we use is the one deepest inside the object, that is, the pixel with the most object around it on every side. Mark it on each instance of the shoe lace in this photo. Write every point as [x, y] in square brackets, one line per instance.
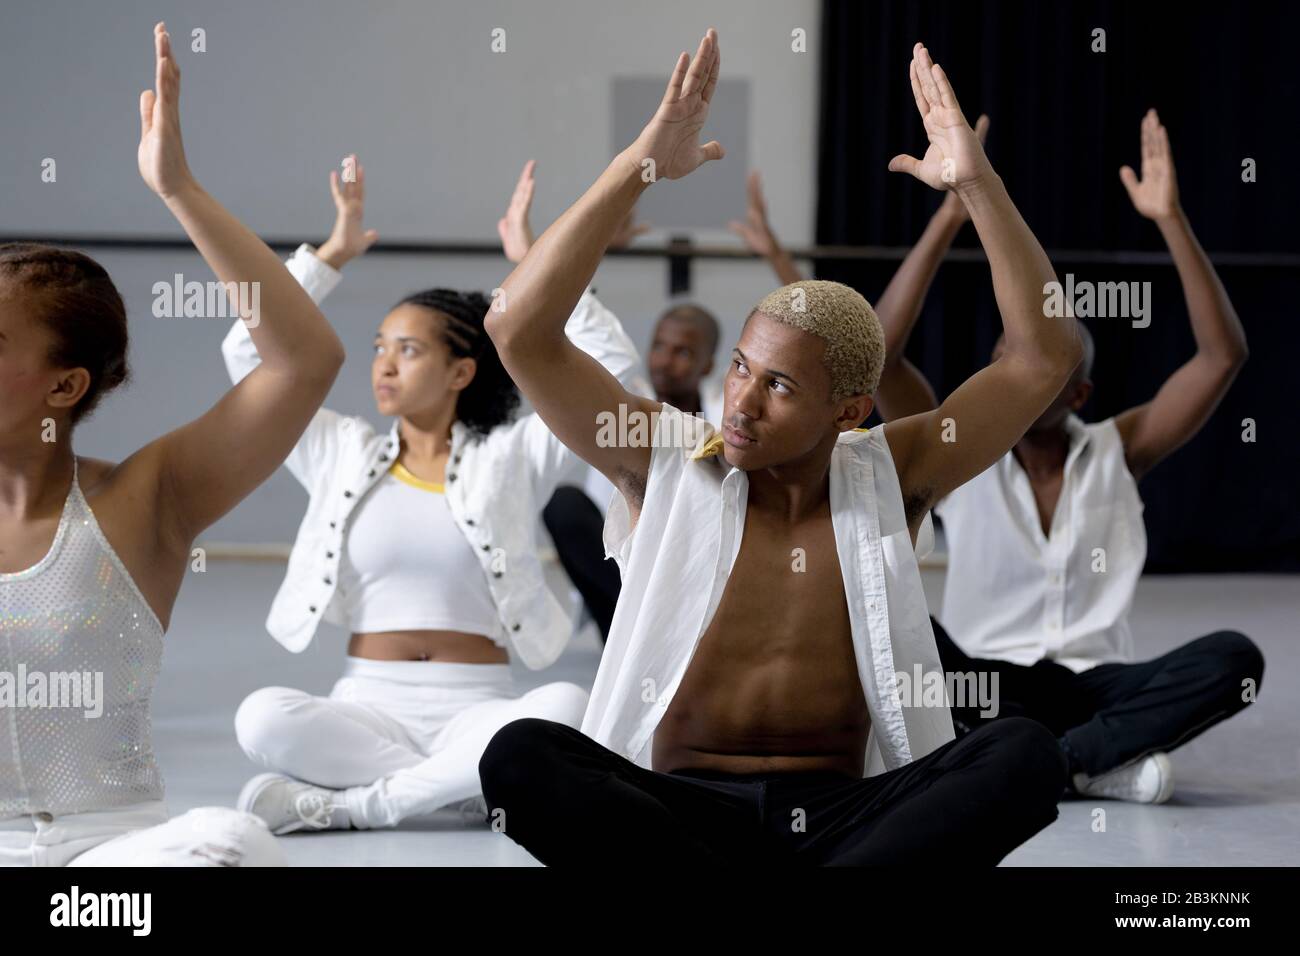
[313, 808]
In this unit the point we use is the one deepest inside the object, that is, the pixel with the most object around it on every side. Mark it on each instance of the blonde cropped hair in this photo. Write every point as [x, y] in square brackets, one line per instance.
[845, 321]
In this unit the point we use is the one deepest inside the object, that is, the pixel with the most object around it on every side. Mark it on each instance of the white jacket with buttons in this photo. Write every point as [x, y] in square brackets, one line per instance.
[496, 486]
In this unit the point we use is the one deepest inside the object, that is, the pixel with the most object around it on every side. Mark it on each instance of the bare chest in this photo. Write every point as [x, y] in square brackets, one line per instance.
[774, 677]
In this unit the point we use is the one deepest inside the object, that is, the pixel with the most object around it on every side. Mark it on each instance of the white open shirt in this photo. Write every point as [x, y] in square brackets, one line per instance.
[1013, 593]
[677, 560]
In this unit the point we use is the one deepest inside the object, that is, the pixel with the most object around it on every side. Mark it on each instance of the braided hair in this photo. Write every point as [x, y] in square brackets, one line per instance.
[80, 305]
[490, 399]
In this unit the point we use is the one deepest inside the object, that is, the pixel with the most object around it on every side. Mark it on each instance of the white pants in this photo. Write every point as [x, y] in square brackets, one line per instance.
[399, 738]
[139, 835]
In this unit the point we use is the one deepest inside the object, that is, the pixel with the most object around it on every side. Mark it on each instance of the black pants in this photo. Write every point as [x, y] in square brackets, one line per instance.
[568, 800]
[576, 526]
[1113, 714]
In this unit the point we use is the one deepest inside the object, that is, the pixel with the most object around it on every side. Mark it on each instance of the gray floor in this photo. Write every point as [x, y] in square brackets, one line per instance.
[1237, 802]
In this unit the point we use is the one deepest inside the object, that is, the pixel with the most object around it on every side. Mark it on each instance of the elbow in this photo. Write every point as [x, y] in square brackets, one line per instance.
[502, 330]
[1061, 361]
[325, 367]
[338, 355]
[1227, 362]
[333, 354]
[497, 329]
[1237, 356]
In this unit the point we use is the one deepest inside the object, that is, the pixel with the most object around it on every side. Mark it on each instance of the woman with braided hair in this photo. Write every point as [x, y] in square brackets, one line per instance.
[420, 541]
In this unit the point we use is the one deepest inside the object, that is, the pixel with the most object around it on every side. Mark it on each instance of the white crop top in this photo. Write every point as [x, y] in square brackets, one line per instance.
[405, 565]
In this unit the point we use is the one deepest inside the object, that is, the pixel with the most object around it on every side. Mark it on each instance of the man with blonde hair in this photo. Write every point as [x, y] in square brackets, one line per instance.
[748, 705]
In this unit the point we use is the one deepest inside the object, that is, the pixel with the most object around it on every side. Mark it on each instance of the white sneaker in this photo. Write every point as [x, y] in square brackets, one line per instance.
[288, 805]
[1149, 780]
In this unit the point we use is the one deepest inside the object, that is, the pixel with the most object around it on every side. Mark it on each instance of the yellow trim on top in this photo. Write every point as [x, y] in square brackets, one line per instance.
[709, 448]
[714, 445]
[401, 474]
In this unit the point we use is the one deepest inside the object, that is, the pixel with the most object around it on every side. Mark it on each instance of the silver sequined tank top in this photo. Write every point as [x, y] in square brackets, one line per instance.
[80, 649]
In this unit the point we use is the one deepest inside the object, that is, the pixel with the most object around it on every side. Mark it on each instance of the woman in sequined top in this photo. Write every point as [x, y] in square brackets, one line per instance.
[92, 553]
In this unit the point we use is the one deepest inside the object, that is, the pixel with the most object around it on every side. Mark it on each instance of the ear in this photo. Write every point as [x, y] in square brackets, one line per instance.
[1081, 393]
[69, 389]
[708, 368]
[853, 412]
[462, 373]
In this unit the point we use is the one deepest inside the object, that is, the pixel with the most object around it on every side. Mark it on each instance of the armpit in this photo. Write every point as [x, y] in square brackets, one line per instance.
[632, 485]
[915, 504]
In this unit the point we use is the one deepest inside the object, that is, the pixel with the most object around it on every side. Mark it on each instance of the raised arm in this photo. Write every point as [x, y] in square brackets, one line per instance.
[1155, 429]
[516, 230]
[937, 451]
[759, 236]
[903, 389]
[319, 272]
[206, 467]
[349, 238]
[568, 388]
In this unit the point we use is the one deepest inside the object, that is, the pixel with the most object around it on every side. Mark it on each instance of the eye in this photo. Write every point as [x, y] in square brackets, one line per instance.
[777, 383]
[378, 348]
[409, 349]
[740, 367]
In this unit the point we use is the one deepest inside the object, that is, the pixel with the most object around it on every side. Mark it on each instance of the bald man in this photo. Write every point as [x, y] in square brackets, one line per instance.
[1045, 548]
[681, 359]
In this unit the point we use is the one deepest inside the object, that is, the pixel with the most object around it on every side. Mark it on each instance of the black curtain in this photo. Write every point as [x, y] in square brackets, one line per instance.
[1064, 119]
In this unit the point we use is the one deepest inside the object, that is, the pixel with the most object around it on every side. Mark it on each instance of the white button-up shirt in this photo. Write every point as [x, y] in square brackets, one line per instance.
[1016, 594]
[677, 560]
[496, 487]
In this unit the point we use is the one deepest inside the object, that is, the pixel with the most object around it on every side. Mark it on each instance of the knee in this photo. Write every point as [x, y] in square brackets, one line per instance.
[516, 757]
[1240, 659]
[1027, 760]
[561, 702]
[260, 720]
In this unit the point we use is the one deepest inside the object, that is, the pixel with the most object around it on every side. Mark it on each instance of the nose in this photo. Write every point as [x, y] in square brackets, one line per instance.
[748, 397]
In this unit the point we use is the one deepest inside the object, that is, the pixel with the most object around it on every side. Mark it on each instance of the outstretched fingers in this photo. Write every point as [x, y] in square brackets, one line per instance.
[946, 95]
[167, 77]
[1148, 141]
[146, 112]
[754, 188]
[925, 73]
[922, 104]
[1161, 140]
[698, 74]
[523, 193]
[709, 87]
[674, 91]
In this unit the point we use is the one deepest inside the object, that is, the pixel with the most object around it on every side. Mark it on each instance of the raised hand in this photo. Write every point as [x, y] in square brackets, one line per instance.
[513, 228]
[955, 159]
[348, 239]
[952, 204]
[161, 155]
[755, 231]
[669, 146]
[1155, 195]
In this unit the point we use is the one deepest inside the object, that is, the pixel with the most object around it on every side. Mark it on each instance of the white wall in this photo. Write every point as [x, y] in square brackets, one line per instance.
[286, 88]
